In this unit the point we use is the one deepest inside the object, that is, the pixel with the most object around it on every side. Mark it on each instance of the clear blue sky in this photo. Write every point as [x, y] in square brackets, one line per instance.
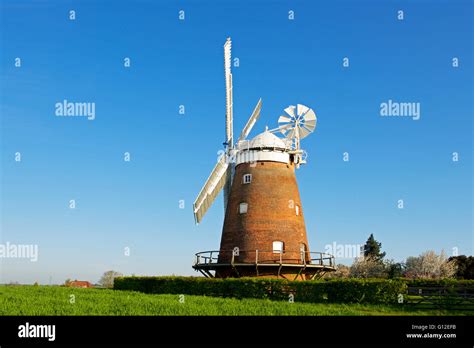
[136, 204]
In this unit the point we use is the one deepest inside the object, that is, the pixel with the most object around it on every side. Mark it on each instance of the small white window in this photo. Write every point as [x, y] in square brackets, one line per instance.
[243, 208]
[297, 209]
[247, 178]
[277, 247]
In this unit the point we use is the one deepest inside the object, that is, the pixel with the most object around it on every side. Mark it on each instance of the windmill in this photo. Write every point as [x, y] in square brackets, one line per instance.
[264, 233]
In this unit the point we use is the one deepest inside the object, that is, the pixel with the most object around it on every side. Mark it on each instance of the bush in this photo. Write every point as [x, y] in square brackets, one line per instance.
[230, 287]
[331, 290]
[365, 290]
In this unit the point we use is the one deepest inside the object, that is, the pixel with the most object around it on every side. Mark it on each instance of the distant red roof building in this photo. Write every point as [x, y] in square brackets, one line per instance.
[80, 284]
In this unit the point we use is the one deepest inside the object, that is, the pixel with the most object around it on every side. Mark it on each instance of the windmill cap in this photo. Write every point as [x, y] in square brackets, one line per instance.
[267, 140]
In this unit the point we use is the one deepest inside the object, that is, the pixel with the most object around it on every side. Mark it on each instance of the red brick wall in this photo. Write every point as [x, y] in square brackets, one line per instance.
[271, 197]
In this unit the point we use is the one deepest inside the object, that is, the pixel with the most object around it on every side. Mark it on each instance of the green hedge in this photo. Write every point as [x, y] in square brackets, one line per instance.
[441, 283]
[331, 290]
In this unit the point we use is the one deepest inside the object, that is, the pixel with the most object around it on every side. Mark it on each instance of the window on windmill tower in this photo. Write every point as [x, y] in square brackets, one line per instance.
[247, 178]
[243, 208]
[278, 247]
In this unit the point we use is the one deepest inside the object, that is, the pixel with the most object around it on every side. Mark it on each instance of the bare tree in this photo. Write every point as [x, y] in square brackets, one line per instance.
[107, 280]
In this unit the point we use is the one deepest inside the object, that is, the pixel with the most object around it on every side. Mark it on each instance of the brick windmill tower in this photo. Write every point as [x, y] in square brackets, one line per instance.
[264, 233]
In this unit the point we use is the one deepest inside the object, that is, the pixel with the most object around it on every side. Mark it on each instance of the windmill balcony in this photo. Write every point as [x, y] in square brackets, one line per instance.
[291, 265]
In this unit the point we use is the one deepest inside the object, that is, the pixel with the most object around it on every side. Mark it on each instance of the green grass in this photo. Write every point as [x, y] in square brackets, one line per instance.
[53, 300]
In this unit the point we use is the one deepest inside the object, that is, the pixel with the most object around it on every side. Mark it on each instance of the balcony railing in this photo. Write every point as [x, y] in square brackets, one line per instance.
[261, 257]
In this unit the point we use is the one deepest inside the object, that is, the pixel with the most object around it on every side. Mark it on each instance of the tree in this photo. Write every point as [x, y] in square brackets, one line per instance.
[430, 265]
[394, 269]
[465, 266]
[372, 249]
[107, 279]
[367, 267]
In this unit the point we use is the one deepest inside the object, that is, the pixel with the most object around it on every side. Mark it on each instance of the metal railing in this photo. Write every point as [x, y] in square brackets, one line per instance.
[261, 257]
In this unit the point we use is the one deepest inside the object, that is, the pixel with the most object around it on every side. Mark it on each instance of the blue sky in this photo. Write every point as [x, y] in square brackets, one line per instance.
[136, 204]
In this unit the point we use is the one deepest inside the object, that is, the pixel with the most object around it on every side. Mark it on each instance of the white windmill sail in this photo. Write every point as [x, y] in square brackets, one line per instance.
[229, 131]
[250, 123]
[228, 93]
[211, 188]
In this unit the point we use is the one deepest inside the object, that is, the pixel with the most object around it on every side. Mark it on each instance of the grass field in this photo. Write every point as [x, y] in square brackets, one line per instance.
[53, 300]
